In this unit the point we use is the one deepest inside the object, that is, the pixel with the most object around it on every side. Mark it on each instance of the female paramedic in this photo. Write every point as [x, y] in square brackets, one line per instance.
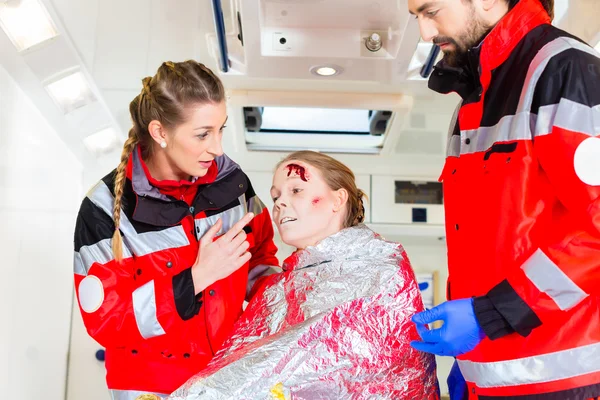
[169, 244]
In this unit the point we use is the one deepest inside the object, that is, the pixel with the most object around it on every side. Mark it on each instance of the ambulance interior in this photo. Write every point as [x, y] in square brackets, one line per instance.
[344, 77]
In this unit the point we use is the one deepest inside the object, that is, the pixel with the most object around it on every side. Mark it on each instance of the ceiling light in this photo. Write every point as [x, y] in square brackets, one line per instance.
[71, 92]
[597, 47]
[326, 70]
[102, 141]
[26, 22]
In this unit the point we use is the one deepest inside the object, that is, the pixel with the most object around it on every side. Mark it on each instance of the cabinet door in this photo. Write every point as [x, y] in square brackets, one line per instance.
[389, 208]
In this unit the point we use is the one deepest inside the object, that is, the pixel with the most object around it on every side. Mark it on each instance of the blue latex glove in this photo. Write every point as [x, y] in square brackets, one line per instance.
[457, 387]
[459, 334]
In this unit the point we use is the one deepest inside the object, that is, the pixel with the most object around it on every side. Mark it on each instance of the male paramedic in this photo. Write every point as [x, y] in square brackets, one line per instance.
[522, 200]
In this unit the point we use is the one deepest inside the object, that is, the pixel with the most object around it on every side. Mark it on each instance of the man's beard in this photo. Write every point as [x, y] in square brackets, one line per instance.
[471, 37]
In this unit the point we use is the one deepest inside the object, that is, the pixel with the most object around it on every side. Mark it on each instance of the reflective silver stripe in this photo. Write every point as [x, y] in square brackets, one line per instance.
[79, 266]
[509, 128]
[151, 242]
[131, 394]
[100, 252]
[143, 243]
[101, 196]
[568, 115]
[539, 62]
[550, 279]
[229, 218]
[243, 202]
[258, 272]
[524, 125]
[144, 308]
[255, 205]
[453, 149]
[537, 369]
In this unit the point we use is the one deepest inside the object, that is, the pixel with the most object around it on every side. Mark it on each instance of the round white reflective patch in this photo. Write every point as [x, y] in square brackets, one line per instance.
[587, 161]
[91, 294]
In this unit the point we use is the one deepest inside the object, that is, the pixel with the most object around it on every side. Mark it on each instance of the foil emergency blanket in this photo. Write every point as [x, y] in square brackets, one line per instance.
[334, 325]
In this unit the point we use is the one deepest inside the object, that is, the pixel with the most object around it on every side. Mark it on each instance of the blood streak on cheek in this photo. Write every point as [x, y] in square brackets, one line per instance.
[298, 170]
[316, 201]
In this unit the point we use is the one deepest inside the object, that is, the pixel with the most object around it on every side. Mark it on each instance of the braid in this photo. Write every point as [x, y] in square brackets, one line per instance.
[359, 214]
[144, 99]
[146, 85]
[207, 71]
[117, 240]
[173, 68]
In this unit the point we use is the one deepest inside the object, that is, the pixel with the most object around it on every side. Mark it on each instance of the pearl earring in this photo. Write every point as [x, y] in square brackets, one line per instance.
[163, 144]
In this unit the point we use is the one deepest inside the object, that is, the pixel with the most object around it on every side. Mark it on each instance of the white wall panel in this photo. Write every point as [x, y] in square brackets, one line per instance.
[40, 189]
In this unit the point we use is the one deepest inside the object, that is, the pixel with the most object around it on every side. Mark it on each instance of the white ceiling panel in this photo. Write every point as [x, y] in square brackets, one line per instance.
[122, 43]
[173, 32]
[80, 17]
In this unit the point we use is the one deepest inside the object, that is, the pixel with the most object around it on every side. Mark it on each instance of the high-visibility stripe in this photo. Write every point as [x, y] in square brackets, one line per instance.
[536, 369]
[539, 63]
[453, 149]
[524, 125]
[144, 308]
[508, 129]
[568, 115]
[255, 205]
[152, 242]
[550, 279]
[139, 244]
[228, 217]
[100, 252]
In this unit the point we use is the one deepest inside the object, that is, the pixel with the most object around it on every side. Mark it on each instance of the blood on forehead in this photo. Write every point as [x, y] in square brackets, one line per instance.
[298, 170]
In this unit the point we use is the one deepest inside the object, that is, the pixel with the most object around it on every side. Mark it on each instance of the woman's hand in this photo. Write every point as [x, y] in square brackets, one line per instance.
[217, 259]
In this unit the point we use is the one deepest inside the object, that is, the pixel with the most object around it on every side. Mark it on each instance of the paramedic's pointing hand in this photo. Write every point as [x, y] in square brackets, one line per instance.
[217, 259]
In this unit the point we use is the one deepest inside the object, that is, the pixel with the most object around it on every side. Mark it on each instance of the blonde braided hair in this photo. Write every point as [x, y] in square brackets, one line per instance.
[128, 147]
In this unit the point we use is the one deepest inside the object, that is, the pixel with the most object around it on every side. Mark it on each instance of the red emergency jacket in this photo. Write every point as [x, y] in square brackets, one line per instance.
[157, 333]
[522, 198]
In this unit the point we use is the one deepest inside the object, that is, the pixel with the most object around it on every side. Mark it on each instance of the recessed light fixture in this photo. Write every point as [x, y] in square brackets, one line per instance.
[71, 92]
[26, 22]
[326, 70]
[102, 141]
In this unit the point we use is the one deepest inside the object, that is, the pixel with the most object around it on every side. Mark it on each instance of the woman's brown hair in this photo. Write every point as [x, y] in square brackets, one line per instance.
[337, 176]
[164, 98]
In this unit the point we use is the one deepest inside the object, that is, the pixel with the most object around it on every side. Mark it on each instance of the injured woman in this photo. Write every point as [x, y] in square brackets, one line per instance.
[336, 323]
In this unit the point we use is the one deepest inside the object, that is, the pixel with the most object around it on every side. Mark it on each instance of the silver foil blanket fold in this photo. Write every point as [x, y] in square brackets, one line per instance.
[334, 325]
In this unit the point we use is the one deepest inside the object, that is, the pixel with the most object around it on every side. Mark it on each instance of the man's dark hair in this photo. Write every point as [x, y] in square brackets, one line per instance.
[548, 6]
